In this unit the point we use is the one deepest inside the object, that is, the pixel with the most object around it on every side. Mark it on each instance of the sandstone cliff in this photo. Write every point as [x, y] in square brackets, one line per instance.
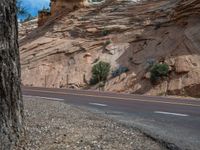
[58, 7]
[27, 27]
[62, 52]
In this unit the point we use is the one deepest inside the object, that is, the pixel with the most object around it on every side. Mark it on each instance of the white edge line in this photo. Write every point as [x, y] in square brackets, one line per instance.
[48, 98]
[98, 104]
[170, 113]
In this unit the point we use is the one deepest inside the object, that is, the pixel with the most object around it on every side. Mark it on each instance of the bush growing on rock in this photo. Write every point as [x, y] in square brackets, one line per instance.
[119, 71]
[100, 72]
[158, 71]
[107, 42]
[151, 62]
[105, 32]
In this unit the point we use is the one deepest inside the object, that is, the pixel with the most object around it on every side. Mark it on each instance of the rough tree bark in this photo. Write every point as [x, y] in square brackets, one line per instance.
[11, 105]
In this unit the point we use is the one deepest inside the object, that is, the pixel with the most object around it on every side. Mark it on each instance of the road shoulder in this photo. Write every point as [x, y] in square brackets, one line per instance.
[56, 125]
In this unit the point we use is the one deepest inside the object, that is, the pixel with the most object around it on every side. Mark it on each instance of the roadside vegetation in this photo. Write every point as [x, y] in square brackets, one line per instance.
[158, 72]
[119, 71]
[100, 72]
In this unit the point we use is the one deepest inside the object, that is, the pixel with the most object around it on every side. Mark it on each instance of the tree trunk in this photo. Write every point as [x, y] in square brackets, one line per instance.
[11, 105]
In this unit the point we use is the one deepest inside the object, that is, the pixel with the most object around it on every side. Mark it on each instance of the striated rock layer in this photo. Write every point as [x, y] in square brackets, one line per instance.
[123, 33]
[26, 27]
[58, 7]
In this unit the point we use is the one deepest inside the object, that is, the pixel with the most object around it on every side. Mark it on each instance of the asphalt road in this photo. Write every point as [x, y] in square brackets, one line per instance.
[172, 120]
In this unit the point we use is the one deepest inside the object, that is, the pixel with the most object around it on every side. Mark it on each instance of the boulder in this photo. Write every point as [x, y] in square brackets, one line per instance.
[185, 85]
[182, 64]
[92, 30]
[122, 76]
[147, 75]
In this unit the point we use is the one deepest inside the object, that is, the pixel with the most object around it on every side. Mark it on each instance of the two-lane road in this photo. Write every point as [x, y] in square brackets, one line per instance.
[170, 119]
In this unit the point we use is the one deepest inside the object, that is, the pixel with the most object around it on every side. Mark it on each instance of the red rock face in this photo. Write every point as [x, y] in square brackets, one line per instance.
[42, 18]
[58, 6]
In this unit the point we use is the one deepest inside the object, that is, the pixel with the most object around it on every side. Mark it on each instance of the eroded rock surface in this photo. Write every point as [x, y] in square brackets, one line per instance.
[26, 28]
[123, 33]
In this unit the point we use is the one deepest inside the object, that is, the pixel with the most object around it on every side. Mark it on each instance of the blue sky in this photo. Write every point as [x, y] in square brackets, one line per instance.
[32, 6]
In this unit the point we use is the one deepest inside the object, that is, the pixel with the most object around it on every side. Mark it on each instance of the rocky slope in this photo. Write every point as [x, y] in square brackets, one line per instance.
[123, 33]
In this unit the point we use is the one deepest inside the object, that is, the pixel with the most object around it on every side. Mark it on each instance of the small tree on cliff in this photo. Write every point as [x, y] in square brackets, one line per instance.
[158, 71]
[11, 106]
[100, 71]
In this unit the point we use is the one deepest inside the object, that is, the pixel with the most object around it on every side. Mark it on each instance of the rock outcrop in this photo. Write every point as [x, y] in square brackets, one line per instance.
[43, 16]
[27, 27]
[59, 7]
[123, 33]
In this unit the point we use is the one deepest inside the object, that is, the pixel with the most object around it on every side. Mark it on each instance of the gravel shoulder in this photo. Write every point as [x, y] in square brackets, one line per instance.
[53, 125]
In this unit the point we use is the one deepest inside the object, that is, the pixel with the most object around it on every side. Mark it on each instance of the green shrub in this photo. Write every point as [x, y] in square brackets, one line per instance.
[107, 42]
[119, 71]
[100, 72]
[158, 71]
[151, 62]
[105, 32]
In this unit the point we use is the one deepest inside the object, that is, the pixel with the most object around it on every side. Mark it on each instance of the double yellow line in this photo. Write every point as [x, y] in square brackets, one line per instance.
[113, 97]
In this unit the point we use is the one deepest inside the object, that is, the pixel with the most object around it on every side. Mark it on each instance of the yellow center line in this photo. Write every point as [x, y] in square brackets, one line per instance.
[118, 98]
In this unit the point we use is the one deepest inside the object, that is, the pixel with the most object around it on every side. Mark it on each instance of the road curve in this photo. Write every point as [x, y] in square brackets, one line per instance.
[174, 120]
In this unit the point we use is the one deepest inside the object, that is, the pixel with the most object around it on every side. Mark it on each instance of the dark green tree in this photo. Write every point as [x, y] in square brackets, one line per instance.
[100, 72]
[158, 71]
